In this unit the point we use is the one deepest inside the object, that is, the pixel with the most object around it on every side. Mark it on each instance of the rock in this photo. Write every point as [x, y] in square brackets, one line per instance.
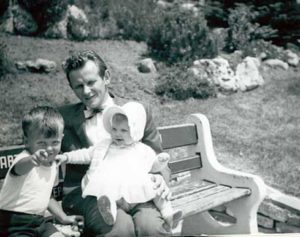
[40, 65]
[267, 208]
[77, 27]
[248, 74]
[294, 220]
[7, 22]
[216, 70]
[58, 30]
[285, 228]
[265, 222]
[275, 63]
[146, 65]
[77, 13]
[292, 58]
[163, 4]
[24, 24]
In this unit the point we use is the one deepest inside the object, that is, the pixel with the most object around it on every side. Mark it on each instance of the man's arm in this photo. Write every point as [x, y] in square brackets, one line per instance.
[152, 138]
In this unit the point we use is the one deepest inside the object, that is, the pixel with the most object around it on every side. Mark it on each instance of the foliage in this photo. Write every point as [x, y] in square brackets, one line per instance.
[282, 15]
[5, 63]
[265, 49]
[45, 12]
[177, 82]
[178, 35]
[133, 17]
[242, 29]
[3, 6]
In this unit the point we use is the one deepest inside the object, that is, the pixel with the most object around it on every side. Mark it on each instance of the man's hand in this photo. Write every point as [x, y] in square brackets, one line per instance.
[163, 157]
[161, 187]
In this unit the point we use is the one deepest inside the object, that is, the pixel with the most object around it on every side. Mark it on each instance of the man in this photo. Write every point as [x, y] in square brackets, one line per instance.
[89, 78]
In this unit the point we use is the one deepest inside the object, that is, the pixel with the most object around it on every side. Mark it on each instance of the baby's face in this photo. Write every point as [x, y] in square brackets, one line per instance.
[38, 141]
[120, 132]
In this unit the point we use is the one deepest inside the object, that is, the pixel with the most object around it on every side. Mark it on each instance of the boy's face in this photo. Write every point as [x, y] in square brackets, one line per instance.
[88, 86]
[37, 141]
[120, 132]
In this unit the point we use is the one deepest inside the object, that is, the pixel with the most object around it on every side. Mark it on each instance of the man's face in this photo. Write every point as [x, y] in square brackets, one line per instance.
[88, 86]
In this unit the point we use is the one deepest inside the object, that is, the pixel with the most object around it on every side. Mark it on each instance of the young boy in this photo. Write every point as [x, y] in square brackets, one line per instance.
[27, 187]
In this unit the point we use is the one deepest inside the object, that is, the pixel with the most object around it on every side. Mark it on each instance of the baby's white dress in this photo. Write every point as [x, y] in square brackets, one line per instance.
[123, 173]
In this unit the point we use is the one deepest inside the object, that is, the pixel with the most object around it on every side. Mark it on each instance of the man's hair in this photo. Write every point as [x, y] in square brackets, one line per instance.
[79, 58]
[43, 119]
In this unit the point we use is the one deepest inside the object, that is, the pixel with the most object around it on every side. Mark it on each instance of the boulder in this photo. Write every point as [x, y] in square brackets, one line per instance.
[24, 24]
[146, 65]
[40, 65]
[7, 22]
[58, 30]
[276, 63]
[292, 58]
[248, 75]
[218, 71]
[77, 27]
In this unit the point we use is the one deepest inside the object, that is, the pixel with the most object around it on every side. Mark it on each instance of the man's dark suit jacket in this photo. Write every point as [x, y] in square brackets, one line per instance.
[75, 138]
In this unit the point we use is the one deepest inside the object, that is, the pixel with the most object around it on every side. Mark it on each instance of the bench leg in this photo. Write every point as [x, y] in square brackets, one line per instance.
[243, 209]
[204, 223]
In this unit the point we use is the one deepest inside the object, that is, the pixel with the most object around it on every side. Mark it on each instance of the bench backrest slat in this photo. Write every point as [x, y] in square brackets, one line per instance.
[190, 163]
[178, 136]
[7, 156]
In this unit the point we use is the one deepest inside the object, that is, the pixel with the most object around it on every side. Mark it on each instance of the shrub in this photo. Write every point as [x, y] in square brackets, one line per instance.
[177, 82]
[242, 29]
[3, 6]
[177, 35]
[133, 17]
[6, 65]
[258, 47]
[46, 12]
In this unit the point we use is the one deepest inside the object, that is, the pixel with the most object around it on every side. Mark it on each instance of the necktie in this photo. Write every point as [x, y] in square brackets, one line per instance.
[90, 113]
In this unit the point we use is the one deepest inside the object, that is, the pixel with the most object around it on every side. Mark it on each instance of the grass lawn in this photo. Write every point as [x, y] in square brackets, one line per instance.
[256, 131]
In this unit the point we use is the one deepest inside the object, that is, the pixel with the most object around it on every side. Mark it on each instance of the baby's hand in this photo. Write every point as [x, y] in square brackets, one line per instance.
[40, 157]
[61, 158]
[163, 157]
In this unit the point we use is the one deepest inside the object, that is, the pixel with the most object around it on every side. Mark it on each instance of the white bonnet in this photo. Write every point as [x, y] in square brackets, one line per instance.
[135, 113]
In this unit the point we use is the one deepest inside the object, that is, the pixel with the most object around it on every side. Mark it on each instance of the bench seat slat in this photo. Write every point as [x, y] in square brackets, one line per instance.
[208, 199]
[182, 135]
[187, 188]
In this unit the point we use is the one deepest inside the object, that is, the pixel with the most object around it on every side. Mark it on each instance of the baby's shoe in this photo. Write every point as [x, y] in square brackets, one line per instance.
[107, 209]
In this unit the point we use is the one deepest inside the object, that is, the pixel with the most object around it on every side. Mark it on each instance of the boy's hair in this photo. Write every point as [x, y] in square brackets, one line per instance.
[43, 119]
[78, 59]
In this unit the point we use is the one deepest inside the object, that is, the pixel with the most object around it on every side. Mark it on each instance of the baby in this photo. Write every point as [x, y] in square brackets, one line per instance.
[120, 167]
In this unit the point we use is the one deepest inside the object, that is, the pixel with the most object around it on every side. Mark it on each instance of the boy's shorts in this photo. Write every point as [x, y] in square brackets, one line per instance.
[22, 224]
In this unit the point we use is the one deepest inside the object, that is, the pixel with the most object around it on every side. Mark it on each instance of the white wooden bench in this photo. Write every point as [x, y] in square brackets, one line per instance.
[206, 183]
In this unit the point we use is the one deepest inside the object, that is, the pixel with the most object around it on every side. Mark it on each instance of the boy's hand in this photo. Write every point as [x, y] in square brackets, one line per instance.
[61, 158]
[73, 220]
[40, 157]
[163, 157]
